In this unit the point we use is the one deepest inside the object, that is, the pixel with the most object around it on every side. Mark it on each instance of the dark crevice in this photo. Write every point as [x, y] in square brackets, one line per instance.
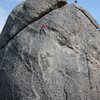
[42, 14]
[61, 4]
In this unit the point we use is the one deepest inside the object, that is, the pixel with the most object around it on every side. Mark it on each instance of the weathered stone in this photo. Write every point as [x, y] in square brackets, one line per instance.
[56, 57]
[93, 21]
[26, 13]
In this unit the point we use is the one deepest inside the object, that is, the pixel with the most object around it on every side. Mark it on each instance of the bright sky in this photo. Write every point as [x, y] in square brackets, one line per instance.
[6, 6]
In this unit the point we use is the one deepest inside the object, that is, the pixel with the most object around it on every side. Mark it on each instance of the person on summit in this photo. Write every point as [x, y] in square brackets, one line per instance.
[75, 1]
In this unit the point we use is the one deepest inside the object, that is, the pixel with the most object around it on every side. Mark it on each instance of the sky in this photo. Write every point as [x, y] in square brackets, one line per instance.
[6, 6]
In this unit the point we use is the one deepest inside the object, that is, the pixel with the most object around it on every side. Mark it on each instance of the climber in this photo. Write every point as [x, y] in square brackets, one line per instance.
[75, 1]
[43, 27]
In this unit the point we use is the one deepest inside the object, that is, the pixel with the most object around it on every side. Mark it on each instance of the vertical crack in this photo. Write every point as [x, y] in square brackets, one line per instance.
[89, 72]
[66, 94]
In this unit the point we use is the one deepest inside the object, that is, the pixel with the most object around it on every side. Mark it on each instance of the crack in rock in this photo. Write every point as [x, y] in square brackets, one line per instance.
[42, 14]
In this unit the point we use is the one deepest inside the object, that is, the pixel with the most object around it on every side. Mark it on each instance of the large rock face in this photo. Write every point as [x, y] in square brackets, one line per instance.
[50, 52]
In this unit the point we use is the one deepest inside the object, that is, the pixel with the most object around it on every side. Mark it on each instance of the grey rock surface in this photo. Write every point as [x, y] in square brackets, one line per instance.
[26, 13]
[93, 21]
[56, 57]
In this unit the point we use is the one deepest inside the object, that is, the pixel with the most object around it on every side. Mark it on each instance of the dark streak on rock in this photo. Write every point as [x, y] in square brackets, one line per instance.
[66, 97]
[89, 72]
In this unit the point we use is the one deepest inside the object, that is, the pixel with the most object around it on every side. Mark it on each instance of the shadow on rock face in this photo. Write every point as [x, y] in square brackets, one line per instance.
[6, 92]
[5, 88]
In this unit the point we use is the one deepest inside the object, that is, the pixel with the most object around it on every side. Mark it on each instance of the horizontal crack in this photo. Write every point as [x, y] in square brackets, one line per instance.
[42, 14]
